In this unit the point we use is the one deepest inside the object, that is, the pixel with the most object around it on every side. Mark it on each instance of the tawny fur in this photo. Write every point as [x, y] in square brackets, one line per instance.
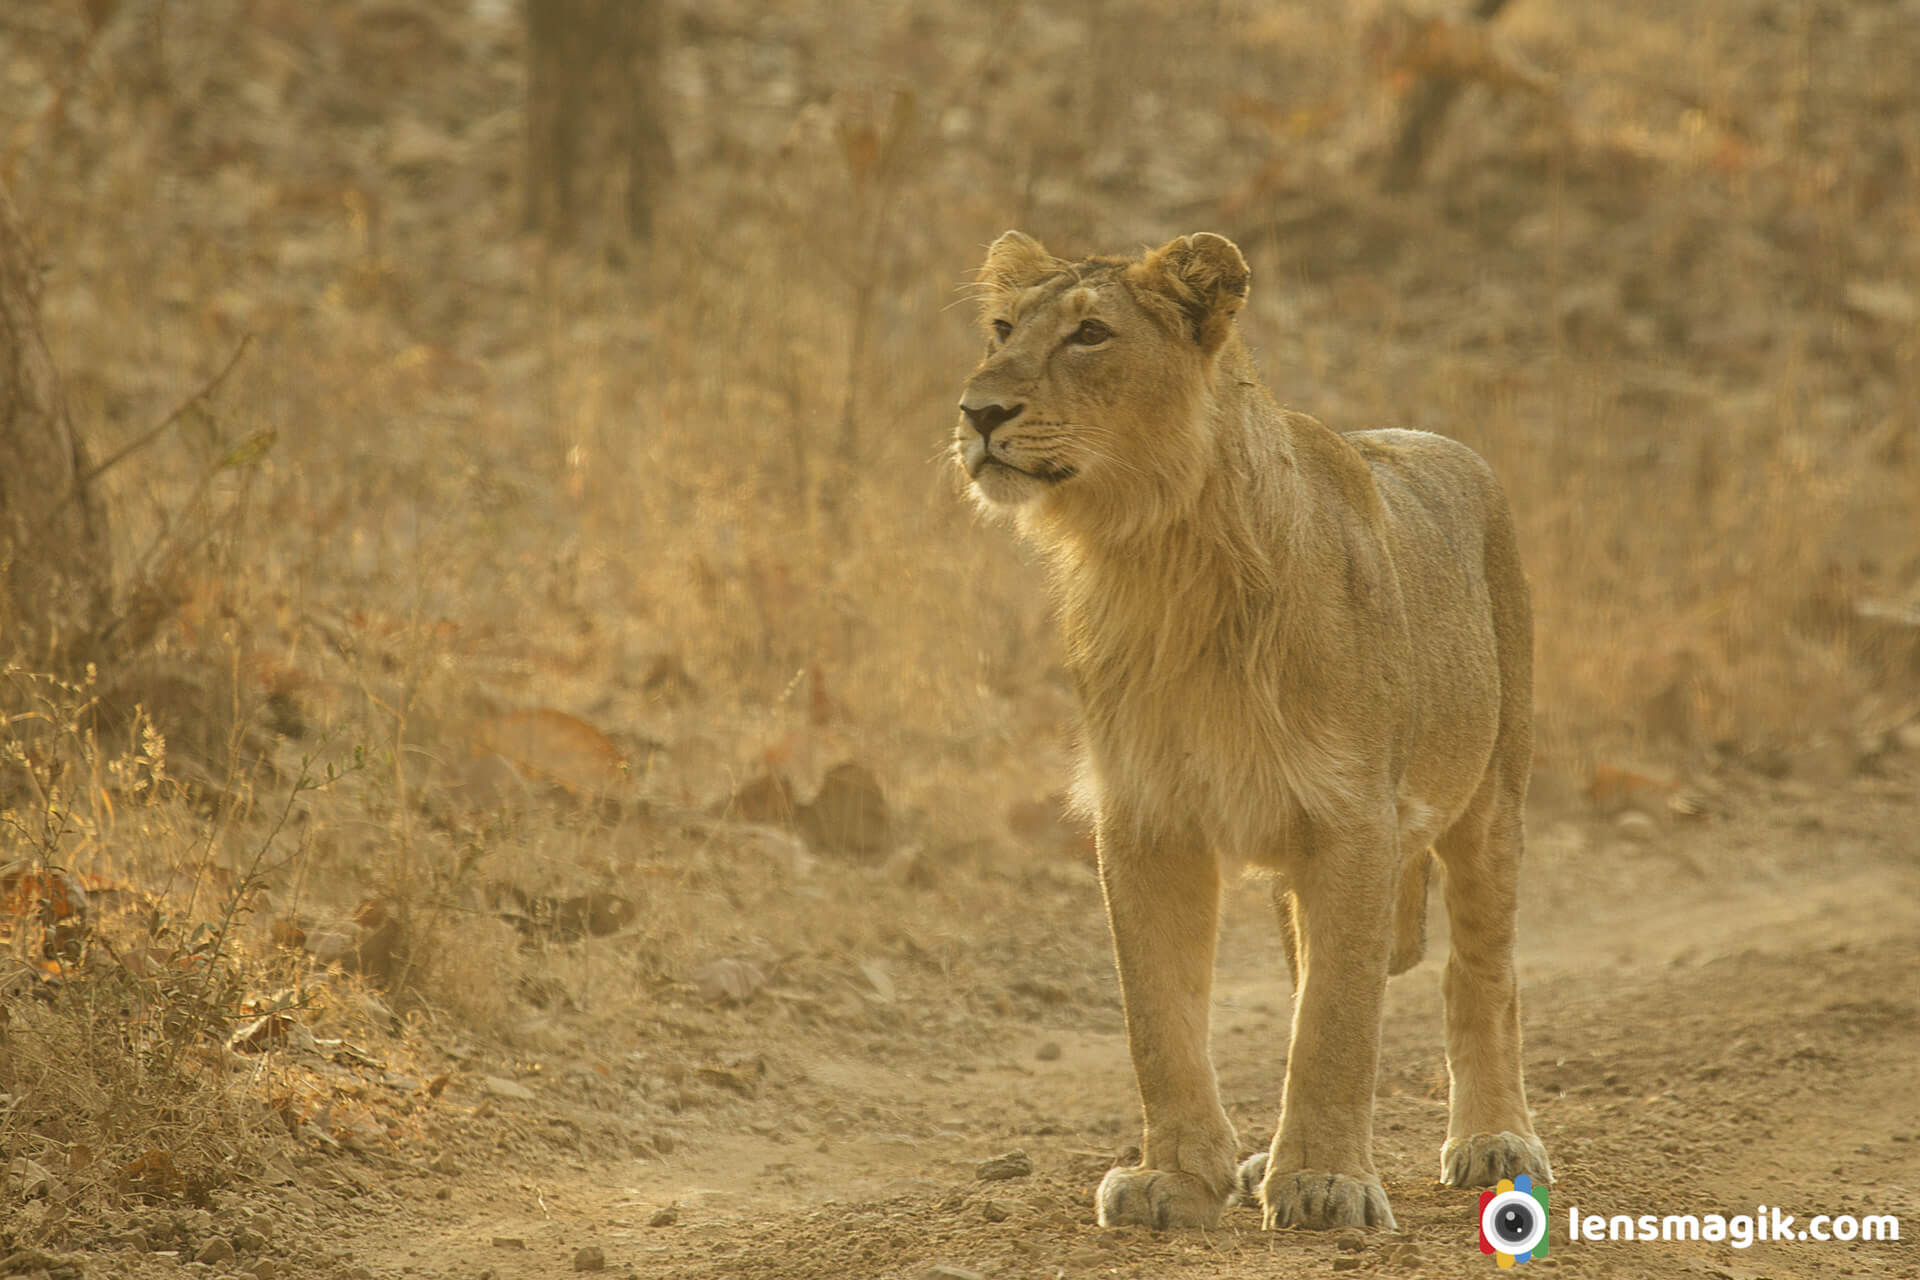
[1296, 650]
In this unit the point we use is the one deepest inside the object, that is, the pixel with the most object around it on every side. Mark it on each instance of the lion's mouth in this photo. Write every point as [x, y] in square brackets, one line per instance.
[1045, 472]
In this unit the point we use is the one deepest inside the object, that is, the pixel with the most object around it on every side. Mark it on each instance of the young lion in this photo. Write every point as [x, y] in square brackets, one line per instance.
[1299, 650]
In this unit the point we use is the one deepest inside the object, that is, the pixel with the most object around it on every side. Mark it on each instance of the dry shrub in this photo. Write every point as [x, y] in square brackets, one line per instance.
[460, 478]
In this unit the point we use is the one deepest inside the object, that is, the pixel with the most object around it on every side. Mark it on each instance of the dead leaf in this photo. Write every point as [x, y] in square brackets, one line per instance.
[28, 1179]
[54, 898]
[555, 746]
[273, 1031]
[152, 1175]
[1614, 789]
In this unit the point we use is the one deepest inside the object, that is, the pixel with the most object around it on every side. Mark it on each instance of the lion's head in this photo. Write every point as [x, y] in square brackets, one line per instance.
[1091, 408]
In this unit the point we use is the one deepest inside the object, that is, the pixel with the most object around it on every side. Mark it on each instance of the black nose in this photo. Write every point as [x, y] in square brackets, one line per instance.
[988, 416]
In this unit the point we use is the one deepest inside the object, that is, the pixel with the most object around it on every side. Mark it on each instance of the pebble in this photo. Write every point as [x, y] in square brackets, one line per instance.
[665, 1217]
[500, 1087]
[995, 1211]
[215, 1251]
[1346, 1264]
[1048, 1052]
[509, 1242]
[1351, 1241]
[247, 1240]
[591, 1258]
[445, 1163]
[265, 1269]
[1014, 1164]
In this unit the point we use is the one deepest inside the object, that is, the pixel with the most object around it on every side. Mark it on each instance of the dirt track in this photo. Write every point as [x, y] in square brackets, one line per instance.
[1686, 292]
[1718, 1016]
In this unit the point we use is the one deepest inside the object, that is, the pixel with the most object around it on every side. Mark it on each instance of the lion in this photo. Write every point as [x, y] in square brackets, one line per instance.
[1297, 652]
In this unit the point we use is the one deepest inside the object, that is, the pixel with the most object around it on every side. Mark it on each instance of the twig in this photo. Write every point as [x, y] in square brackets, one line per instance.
[179, 412]
[80, 482]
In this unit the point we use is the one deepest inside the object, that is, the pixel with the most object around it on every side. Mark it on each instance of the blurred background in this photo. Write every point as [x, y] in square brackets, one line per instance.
[513, 434]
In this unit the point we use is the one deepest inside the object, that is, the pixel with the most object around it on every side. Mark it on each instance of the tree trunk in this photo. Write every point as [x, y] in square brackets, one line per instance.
[54, 569]
[1426, 110]
[596, 148]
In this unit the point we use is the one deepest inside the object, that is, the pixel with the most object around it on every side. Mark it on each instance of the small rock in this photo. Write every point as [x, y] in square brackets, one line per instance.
[1351, 1242]
[665, 1217]
[1014, 1164]
[1883, 300]
[215, 1251]
[509, 1242]
[850, 814]
[265, 1269]
[247, 1240]
[502, 1088]
[877, 978]
[1637, 826]
[444, 1163]
[591, 1258]
[1048, 1052]
[1346, 1264]
[995, 1211]
[728, 981]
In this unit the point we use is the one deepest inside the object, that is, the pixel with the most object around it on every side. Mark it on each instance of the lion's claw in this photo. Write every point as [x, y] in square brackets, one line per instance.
[1156, 1198]
[1483, 1159]
[1311, 1198]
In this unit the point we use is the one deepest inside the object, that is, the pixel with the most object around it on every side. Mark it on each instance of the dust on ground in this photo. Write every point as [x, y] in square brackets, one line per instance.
[533, 528]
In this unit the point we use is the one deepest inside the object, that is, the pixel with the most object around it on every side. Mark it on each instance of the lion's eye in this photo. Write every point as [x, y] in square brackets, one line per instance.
[1091, 333]
[1002, 330]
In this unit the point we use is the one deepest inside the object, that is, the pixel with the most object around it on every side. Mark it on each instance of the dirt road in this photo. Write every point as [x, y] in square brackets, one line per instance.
[1720, 1015]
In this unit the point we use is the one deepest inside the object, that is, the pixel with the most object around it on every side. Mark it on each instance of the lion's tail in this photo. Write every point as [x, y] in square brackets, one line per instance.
[1410, 913]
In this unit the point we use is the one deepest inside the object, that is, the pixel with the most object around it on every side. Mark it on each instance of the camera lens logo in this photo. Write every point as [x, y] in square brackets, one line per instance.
[1513, 1221]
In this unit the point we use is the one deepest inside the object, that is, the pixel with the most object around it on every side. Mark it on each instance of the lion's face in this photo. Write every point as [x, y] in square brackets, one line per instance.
[1089, 402]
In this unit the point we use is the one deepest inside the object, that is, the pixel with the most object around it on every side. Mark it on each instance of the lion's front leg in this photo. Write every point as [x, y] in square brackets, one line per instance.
[1163, 901]
[1319, 1172]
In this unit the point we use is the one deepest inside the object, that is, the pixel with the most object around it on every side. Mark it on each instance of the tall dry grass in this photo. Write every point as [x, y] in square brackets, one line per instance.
[456, 475]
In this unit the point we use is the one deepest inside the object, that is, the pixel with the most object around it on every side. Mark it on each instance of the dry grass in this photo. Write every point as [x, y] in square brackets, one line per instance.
[456, 476]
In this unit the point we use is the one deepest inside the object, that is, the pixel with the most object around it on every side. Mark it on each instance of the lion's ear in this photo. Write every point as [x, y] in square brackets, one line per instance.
[1016, 261]
[1205, 276]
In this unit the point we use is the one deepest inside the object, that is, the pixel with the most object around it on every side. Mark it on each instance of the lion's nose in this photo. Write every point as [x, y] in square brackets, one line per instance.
[986, 417]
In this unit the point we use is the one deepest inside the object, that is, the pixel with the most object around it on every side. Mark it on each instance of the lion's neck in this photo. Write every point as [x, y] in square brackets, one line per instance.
[1219, 563]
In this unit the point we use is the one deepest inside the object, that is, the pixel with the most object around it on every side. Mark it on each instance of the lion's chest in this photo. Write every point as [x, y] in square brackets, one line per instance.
[1196, 745]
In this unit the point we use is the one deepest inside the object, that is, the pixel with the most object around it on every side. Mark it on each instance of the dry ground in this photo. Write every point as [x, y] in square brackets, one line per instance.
[572, 567]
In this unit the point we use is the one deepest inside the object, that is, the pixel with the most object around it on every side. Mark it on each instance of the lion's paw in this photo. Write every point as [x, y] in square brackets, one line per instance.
[1246, 1180]
[1157, 1198]
[1312, 1199]
[1483, 1159]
